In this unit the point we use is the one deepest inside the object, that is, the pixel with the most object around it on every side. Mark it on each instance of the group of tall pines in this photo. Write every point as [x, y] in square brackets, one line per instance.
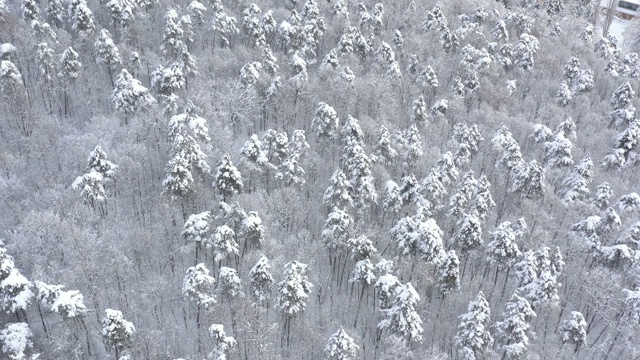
[317, 179]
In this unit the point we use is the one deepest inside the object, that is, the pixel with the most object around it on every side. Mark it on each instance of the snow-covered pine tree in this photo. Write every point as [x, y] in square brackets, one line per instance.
[91, 187]
[632, 306]
[337, 230]
[623, 110]
[403, 234]
[290, 171]
[232, 215]
[98, 162]
[428, 78]
[196, 12]
[446, 168]
[224, 24]
[624, 154]
[222, 344]
[357, 165]
[429, 237]
[276, 144]
[558, 151]
[362, 248]
[398, 40]
[464, 191]
[468, 235]
[439, 108]
[500, 32]
[10, 77]
[70, 65]
[340, 346]
[229, 283]
[254, 157]
[172, 34]
[432, 191]
[529, 180]
[69, 304]
[571, 69]
[129, 96]
[420, 111]
[261, 280]
[54, 12]
[468, 135]
[449, 274]
[502, 249]
[195, 230]
[411, 142]
[363, 273]
[473, 338]
[186, 62]
[167, 81]
[402, 318]
[45, 62]
[514, 330]
[385, 288]
[228, 179]
[524, 51]
[482, 201]
[629, 202]
[293, 293]
[116, 331]
[121, 12]
[16, 339]
[197, 286]
[250, 73]
[526, 271]
[338, 193]
[409, 188]
[30, 10]
[511, 156]
[574, 330]
[223, 243]
[575, 187]
[541, 133]
[392, 198]
[81, 18]
[602, 196]
[186, 153]
[253, 231]
[383, 151]
[269, 61]
[564, 94]
[299, 70]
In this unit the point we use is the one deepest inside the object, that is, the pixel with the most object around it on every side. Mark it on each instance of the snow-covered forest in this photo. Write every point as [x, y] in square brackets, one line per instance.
[317, 179]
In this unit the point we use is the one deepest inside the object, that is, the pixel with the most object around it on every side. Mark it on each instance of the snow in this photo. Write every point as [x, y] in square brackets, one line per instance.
[440, 106]
[230, 282]
[363, 272]
[340, 346]
[16, 292]
[15, 340]
[620, 29]
[294, 289]
[402, 318]
[629, 202]
[195, 5]
[196, 226]
[6, 48]
[116, 331]
[69, 304]
[197, 285]
[222, 343]
[261, 279]
[384, 267]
